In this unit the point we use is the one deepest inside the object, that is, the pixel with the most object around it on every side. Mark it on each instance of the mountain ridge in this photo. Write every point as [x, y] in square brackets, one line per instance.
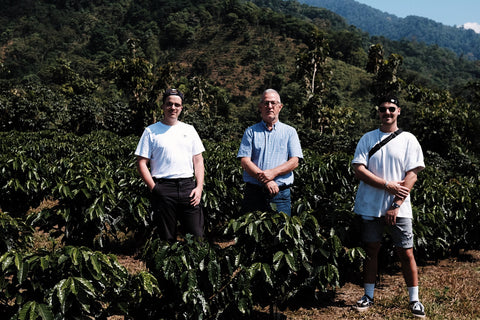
[463, 41]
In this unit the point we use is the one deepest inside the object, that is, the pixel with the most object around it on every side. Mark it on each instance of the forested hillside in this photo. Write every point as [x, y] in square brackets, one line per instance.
[465, 43]
[120, 53]
[79, 81]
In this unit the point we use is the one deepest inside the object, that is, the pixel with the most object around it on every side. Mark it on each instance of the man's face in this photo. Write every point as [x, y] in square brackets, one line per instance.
[270, 107]
[172, 107]
[388, 113]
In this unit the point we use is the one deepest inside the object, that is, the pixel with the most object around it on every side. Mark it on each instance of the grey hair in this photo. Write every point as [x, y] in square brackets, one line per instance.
[272, 91]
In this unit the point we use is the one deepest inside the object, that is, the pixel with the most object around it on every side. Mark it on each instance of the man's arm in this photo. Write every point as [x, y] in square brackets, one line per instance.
[408, 182]
[199, 169]
[267, 177]
[247, 164]
[142, 167]
[397, 188]
[280, 170]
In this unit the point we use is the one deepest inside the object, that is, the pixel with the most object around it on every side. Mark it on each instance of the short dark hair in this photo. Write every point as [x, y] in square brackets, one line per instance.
[172, 92]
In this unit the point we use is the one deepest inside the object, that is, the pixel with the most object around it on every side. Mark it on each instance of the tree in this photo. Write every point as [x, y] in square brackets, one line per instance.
[312, 69]
[138, 80]
[71, 83]
[375, 58]
[311, 65]
[386, 80]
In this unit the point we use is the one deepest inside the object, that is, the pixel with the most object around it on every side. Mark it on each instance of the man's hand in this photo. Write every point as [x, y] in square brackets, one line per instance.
[265, 176]
[391, 216]
[196, 196]
[398, 189]
[272, 188]
[156, 189]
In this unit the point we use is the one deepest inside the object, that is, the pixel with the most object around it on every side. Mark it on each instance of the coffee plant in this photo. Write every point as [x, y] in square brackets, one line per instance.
[287, 258]
[14, 233]
[85, 193]
[69, 283]
[223, 186]
[446, 211]
[97, 187]
[200, 281]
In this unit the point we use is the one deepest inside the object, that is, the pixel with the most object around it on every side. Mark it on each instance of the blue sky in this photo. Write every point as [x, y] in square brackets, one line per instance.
[449, 12]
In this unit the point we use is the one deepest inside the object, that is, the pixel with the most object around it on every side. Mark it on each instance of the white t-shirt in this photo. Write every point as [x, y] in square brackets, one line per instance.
[402, 154]
[170, 149]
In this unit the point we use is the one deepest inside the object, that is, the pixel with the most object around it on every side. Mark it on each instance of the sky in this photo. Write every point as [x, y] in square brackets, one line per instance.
[448, 12]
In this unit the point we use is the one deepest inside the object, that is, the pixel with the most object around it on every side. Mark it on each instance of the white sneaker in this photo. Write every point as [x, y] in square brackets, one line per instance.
[364, 303]
[417, 309]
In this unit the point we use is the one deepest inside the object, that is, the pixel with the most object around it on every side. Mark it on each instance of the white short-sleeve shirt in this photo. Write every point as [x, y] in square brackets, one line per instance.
[391, 162]
[170, 149]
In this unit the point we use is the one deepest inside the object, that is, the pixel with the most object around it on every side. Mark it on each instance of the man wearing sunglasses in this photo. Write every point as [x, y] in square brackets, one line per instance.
[269, 152]
[383, 198]
[173, 151]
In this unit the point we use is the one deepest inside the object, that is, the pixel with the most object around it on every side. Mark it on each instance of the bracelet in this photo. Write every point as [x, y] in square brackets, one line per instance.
[386, 184]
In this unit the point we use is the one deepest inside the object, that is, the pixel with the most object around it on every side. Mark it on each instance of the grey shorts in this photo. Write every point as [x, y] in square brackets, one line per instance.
[401, 232]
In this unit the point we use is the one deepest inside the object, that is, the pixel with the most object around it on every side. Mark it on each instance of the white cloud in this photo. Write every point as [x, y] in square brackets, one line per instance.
[472, 25]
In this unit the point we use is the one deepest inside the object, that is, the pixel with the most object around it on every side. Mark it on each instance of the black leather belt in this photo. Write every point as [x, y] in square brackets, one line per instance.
[262, 188]
[172, 180]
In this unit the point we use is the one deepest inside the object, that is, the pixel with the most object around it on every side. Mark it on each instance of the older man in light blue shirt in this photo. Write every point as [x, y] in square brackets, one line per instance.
[269, 152]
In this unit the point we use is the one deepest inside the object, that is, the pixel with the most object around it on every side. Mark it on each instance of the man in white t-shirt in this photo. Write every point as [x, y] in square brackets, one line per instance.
[173, 150]
[383, 198]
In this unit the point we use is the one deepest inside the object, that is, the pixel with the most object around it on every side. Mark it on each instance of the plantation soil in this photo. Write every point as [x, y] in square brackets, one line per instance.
[449, 289]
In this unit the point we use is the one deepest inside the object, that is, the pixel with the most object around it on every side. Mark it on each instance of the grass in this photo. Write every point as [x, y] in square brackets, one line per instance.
[449, 289]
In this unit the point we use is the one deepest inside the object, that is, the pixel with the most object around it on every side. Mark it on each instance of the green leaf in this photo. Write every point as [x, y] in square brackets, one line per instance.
[278, 256]
[86, 193]
[96, 265]
[73, 286]
[22, 271]
[214, 273]
[85, 284]
[18, 260]
[277, 259]
[6, 260]
[267, 273]
[291, 261]
[243, 305]
[63, 290]
[44, 311]
[149, 282]
[74, 255]
[24, 311]
[250, 229]
[44, 262]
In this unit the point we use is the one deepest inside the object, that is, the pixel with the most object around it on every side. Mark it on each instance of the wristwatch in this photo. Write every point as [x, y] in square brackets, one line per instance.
[395, 205]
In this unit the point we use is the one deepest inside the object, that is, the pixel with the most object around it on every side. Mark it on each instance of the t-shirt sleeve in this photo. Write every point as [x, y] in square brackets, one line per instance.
[361, 152]
[144, 147]
[414, 155]
[197, 143]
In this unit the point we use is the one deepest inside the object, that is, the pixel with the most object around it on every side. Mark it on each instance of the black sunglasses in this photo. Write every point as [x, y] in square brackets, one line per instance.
[383, 109]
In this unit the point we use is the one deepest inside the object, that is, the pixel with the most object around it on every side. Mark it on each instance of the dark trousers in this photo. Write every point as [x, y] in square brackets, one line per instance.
[171, 202]
[256, 198]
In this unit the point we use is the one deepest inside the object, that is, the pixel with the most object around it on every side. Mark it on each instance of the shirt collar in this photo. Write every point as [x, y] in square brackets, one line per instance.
[274, 125]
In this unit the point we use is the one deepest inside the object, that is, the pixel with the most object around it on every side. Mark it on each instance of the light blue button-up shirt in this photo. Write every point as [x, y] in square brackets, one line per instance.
[269, 149]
